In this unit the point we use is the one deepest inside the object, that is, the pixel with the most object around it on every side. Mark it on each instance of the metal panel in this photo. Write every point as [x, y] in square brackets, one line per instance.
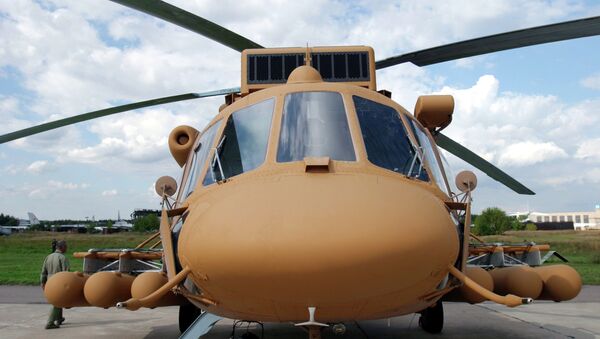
[202, 325]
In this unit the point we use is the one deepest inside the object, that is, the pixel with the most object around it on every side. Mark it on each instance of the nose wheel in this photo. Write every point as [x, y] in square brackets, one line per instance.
[432, 318]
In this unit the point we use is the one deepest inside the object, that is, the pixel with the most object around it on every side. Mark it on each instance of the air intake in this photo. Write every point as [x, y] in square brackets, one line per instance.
[262, 68]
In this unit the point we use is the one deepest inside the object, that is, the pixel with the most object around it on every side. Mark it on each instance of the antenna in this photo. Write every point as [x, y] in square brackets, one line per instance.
[307, 57]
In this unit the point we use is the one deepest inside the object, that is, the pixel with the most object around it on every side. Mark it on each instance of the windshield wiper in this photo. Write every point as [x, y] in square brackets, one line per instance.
[217, 161]
[416, 156]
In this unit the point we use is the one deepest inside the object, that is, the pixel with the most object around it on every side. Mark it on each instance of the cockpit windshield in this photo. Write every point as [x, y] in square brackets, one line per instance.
[386, 140]
[243, 145]
[200, 152]
[315, 124]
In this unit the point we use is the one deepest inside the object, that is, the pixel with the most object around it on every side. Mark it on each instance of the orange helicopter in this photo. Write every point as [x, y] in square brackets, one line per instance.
[313, 198]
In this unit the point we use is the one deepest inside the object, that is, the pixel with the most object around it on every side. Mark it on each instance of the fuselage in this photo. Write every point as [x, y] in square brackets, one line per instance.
[303, 207]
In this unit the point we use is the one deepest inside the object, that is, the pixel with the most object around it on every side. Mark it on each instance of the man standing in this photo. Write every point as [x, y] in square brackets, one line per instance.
[54, 263]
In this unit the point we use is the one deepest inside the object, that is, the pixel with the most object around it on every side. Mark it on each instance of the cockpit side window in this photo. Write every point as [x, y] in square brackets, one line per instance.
[429, 155]
[315, 124]
[386, 139]
[199, 154]
[243, 145]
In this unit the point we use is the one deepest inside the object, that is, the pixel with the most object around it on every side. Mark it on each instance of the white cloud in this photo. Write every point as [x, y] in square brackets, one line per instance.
[590, 176]
[11, 169]
[72, 57]
[38, 193]
[109, 193]
[529, 153]
[467, 63]
[52, 188]
[64, 186]
[593, 81]
[10, 114]
[37, 166]
[589, 149]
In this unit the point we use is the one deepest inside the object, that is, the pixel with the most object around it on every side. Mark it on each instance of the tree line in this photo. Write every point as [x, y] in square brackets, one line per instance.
[493, 221]
[8, 220]
[143, 221]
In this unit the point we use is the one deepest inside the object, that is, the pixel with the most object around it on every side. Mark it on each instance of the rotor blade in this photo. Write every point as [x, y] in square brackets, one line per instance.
[108, 111]
[498, 42]
[480, 163]
[194, 23]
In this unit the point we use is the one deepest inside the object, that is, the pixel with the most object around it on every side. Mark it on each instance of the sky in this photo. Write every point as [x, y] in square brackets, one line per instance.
[534, 111]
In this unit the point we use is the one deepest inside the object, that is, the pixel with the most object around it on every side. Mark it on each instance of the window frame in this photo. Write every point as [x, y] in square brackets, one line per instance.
[219, 135]
[413, 139]
[436, 152]
[186, 171]
[362, 140]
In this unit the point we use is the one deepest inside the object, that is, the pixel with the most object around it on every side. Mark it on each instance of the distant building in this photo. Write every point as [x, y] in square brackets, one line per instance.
[140, 213]
[580, 220]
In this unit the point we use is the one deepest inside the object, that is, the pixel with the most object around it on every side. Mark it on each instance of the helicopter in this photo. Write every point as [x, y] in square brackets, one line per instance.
[313, 198]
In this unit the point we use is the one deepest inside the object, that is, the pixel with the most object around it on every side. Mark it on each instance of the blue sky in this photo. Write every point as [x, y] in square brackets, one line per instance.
[532, 111]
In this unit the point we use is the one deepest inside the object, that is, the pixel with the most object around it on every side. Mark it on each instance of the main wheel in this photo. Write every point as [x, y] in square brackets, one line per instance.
[432, 318]
[187, 314]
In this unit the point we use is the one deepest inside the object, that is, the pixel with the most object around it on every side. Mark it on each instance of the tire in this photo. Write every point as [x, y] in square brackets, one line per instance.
[432, 318]
[187, 315]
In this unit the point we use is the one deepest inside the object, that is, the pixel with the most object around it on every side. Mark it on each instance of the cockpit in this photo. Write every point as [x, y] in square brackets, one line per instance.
[343, 127]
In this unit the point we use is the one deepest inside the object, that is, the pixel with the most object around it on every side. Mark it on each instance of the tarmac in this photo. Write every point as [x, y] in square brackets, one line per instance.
[23, 313]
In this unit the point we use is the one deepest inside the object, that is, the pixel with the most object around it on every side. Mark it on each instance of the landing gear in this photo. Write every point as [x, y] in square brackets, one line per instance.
[187, 314]
[247, 335]
[432, 318]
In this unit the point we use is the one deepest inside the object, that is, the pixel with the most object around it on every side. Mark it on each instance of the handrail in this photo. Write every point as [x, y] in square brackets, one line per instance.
[134, 304]
[509, 300]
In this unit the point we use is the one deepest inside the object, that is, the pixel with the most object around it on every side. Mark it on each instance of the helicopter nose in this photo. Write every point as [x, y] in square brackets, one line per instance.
[364, 242]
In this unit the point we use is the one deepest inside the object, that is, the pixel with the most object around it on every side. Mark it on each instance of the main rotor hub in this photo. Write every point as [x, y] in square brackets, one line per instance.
[304, 74]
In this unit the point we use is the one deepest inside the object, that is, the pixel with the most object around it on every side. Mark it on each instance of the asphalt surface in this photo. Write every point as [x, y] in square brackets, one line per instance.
[23, 313]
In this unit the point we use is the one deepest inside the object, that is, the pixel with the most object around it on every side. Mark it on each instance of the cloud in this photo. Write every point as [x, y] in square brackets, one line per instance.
[11, 169]
[10, 114]
[65, 186]
[589, 150]
[528, 153]
[590, 176]
[592, 82]
[133, 141]
[52, 188]
[123, 56]
[549, 141]
[37, 166]
[109, 193]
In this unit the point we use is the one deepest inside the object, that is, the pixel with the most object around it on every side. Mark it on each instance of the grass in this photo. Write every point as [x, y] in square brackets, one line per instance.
[581, 248]
[22, 254]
